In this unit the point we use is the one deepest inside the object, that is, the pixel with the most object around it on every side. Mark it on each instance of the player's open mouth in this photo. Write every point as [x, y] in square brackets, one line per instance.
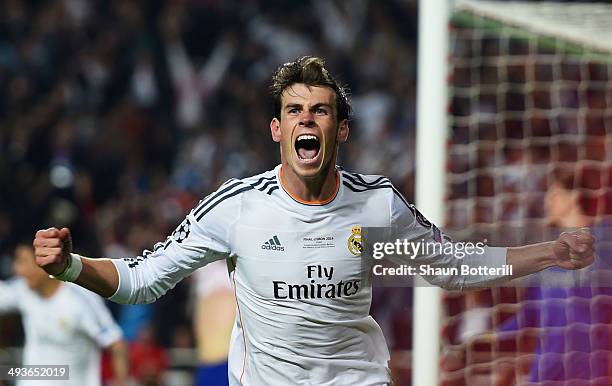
[307, 147]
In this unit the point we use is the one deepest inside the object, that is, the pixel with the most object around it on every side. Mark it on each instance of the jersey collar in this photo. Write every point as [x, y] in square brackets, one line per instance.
[307, 202]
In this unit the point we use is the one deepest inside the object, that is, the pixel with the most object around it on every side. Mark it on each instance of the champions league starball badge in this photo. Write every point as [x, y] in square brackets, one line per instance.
[182, 232]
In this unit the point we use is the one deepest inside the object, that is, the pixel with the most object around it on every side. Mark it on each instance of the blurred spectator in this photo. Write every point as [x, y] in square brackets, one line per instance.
[63, 323]
[563, 318]
[215, 311]
[554, 321]
[148, 360]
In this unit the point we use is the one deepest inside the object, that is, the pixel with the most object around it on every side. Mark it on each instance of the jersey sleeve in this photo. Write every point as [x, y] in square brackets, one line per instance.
[9, 295]
[97, 322]
[409, 224]
[202, 237]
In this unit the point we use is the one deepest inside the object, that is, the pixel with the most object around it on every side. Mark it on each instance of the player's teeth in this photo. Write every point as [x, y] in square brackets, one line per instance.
[306, 136]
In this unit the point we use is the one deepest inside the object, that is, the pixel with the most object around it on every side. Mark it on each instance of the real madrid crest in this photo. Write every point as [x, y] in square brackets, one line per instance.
[356, 242]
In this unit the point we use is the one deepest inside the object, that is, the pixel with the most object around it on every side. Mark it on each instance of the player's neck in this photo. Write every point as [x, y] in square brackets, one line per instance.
[48, 288]
[318, 190]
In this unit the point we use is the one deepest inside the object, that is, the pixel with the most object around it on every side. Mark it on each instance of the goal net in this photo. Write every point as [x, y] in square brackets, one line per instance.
[530, 115]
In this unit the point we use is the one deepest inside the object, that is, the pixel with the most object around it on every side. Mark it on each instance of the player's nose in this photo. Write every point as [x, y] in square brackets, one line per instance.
[307, 119]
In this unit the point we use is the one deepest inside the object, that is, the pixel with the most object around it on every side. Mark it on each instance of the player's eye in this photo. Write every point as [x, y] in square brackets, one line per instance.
[293, 110]
[320, 111]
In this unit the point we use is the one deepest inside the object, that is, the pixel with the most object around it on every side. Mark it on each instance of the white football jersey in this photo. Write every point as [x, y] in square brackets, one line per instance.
[303, 307]
[67, 328]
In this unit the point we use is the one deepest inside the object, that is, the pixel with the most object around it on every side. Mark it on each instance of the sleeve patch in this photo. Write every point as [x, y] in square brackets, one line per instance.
[182, 231]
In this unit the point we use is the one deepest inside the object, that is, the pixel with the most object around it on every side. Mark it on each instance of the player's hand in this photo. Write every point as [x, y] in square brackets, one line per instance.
[575, 250]
[52, 249]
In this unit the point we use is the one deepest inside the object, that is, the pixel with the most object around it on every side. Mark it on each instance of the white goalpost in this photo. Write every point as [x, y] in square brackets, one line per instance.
[430, 188]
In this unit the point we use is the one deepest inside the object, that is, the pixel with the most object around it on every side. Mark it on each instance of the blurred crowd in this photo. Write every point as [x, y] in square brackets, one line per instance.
[523, 109]
[116, 117]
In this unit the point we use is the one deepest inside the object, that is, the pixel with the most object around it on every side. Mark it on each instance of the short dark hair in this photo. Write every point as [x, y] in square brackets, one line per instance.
[311, 71]
[565, 176]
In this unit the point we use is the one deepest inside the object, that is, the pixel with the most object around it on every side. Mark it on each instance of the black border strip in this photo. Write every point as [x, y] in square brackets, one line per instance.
[362, 181]
[221, 199]
[214, 196]
[365, 188]
[261, 179]
[266, 185]
[272, 189]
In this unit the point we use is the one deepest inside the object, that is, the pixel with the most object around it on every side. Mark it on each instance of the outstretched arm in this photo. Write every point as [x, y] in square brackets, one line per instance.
[144, 278]
[572, 250]
[201, 238]
[53, 248]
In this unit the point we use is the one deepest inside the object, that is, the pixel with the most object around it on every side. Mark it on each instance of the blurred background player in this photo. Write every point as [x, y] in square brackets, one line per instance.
[566, 316]
[63, 323]
[215, 310]
[562, 318]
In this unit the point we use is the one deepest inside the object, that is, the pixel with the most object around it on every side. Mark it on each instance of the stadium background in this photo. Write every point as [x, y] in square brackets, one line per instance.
[116, 117]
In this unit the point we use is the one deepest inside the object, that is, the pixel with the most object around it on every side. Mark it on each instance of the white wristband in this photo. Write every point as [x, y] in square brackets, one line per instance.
[72, 271]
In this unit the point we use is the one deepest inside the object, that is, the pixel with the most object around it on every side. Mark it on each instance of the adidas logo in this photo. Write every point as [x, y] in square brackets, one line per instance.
[273, 244]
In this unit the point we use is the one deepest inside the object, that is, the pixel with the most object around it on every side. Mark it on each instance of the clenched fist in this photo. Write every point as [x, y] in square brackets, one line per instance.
[575, 250]
[52, 248]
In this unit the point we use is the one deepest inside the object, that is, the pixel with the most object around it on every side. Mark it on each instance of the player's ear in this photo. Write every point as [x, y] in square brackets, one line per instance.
[275, 130]
[343, 131]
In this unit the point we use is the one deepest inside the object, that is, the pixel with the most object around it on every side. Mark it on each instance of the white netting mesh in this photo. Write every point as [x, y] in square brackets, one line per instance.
[531, 137]
[586, 24]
